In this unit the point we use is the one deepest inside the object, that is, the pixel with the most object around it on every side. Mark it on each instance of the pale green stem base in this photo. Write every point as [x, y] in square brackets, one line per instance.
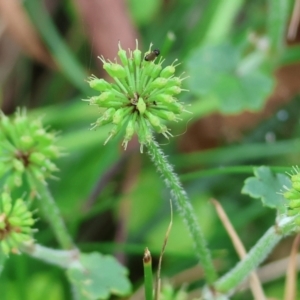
[255, 256]
[185, 209]
[51, 212]
[60, 258]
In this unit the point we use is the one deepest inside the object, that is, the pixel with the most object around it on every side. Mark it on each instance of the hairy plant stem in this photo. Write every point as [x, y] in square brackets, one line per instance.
[51, 212]
[185, 209]
[254, 257]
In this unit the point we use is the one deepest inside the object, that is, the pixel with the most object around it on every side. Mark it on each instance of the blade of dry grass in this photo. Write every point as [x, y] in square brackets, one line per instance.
[291, 273]
[295, 20]
[255, 285]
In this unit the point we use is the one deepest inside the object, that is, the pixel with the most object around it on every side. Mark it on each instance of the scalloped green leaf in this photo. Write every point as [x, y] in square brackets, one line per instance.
[214, 73]
[98, 277]
[267, 186]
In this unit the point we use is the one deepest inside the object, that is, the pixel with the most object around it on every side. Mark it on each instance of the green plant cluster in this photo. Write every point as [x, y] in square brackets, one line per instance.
[293, 196]
[26, 146]
[143, 93]
[230, 52]
[16, 222]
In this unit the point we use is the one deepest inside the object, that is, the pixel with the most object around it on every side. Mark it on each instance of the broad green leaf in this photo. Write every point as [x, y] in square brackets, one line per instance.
[214, 73]
[267, 186]
[98, 277]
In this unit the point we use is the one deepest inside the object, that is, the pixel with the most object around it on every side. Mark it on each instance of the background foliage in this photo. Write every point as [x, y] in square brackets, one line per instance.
[238, 58]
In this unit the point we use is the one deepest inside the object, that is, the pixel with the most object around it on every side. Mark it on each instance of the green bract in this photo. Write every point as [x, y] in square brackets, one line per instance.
[25, 146]
[141, 97]
[15, 224]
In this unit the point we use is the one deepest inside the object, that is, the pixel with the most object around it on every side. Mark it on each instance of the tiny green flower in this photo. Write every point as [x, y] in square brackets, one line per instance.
[142, 97]
[25, 146]
[16, 223]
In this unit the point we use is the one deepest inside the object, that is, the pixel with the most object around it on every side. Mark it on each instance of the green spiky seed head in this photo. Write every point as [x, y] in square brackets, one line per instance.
[141, 99]
[25, 146]
[16, 223]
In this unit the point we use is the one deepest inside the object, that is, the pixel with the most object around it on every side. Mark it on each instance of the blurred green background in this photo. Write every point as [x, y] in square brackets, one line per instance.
[242, 63]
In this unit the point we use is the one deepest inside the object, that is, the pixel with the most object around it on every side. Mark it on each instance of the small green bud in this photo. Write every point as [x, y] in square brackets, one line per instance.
[141, 106]
[50, 166]
[148, 68]
[39, 132]
[104, 97]
[158, 83]
[296, 185]
[295, 178]
[100, 85]
[105, 119]
[15, 221]
[292, 212]
[18, 165]
[131, 66]
[114, 70]
[297, 220]
[175, 107]
[173, 90]
[19, 207]
[294, 203]
[5, 123]
[155, 71]
[5, 197]
[165, 114]
[120, 114]
[174, 81]
[43, 137]
[291, 194]
[164, 98]
[35, 125]
[167, 72]
[115, 129]
[109, 113]
[21, 123]
[130, 128]
[38, 174]
[137, 57]
[28, 222]
[163, 129]
[37, 158]
[123, 56]
[6, 203]
[144, 133]
[26, 142]
[154, 120]
[51, 151]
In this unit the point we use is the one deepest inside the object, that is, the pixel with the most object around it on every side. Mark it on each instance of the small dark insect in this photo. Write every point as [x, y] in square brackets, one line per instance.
[152, 55]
